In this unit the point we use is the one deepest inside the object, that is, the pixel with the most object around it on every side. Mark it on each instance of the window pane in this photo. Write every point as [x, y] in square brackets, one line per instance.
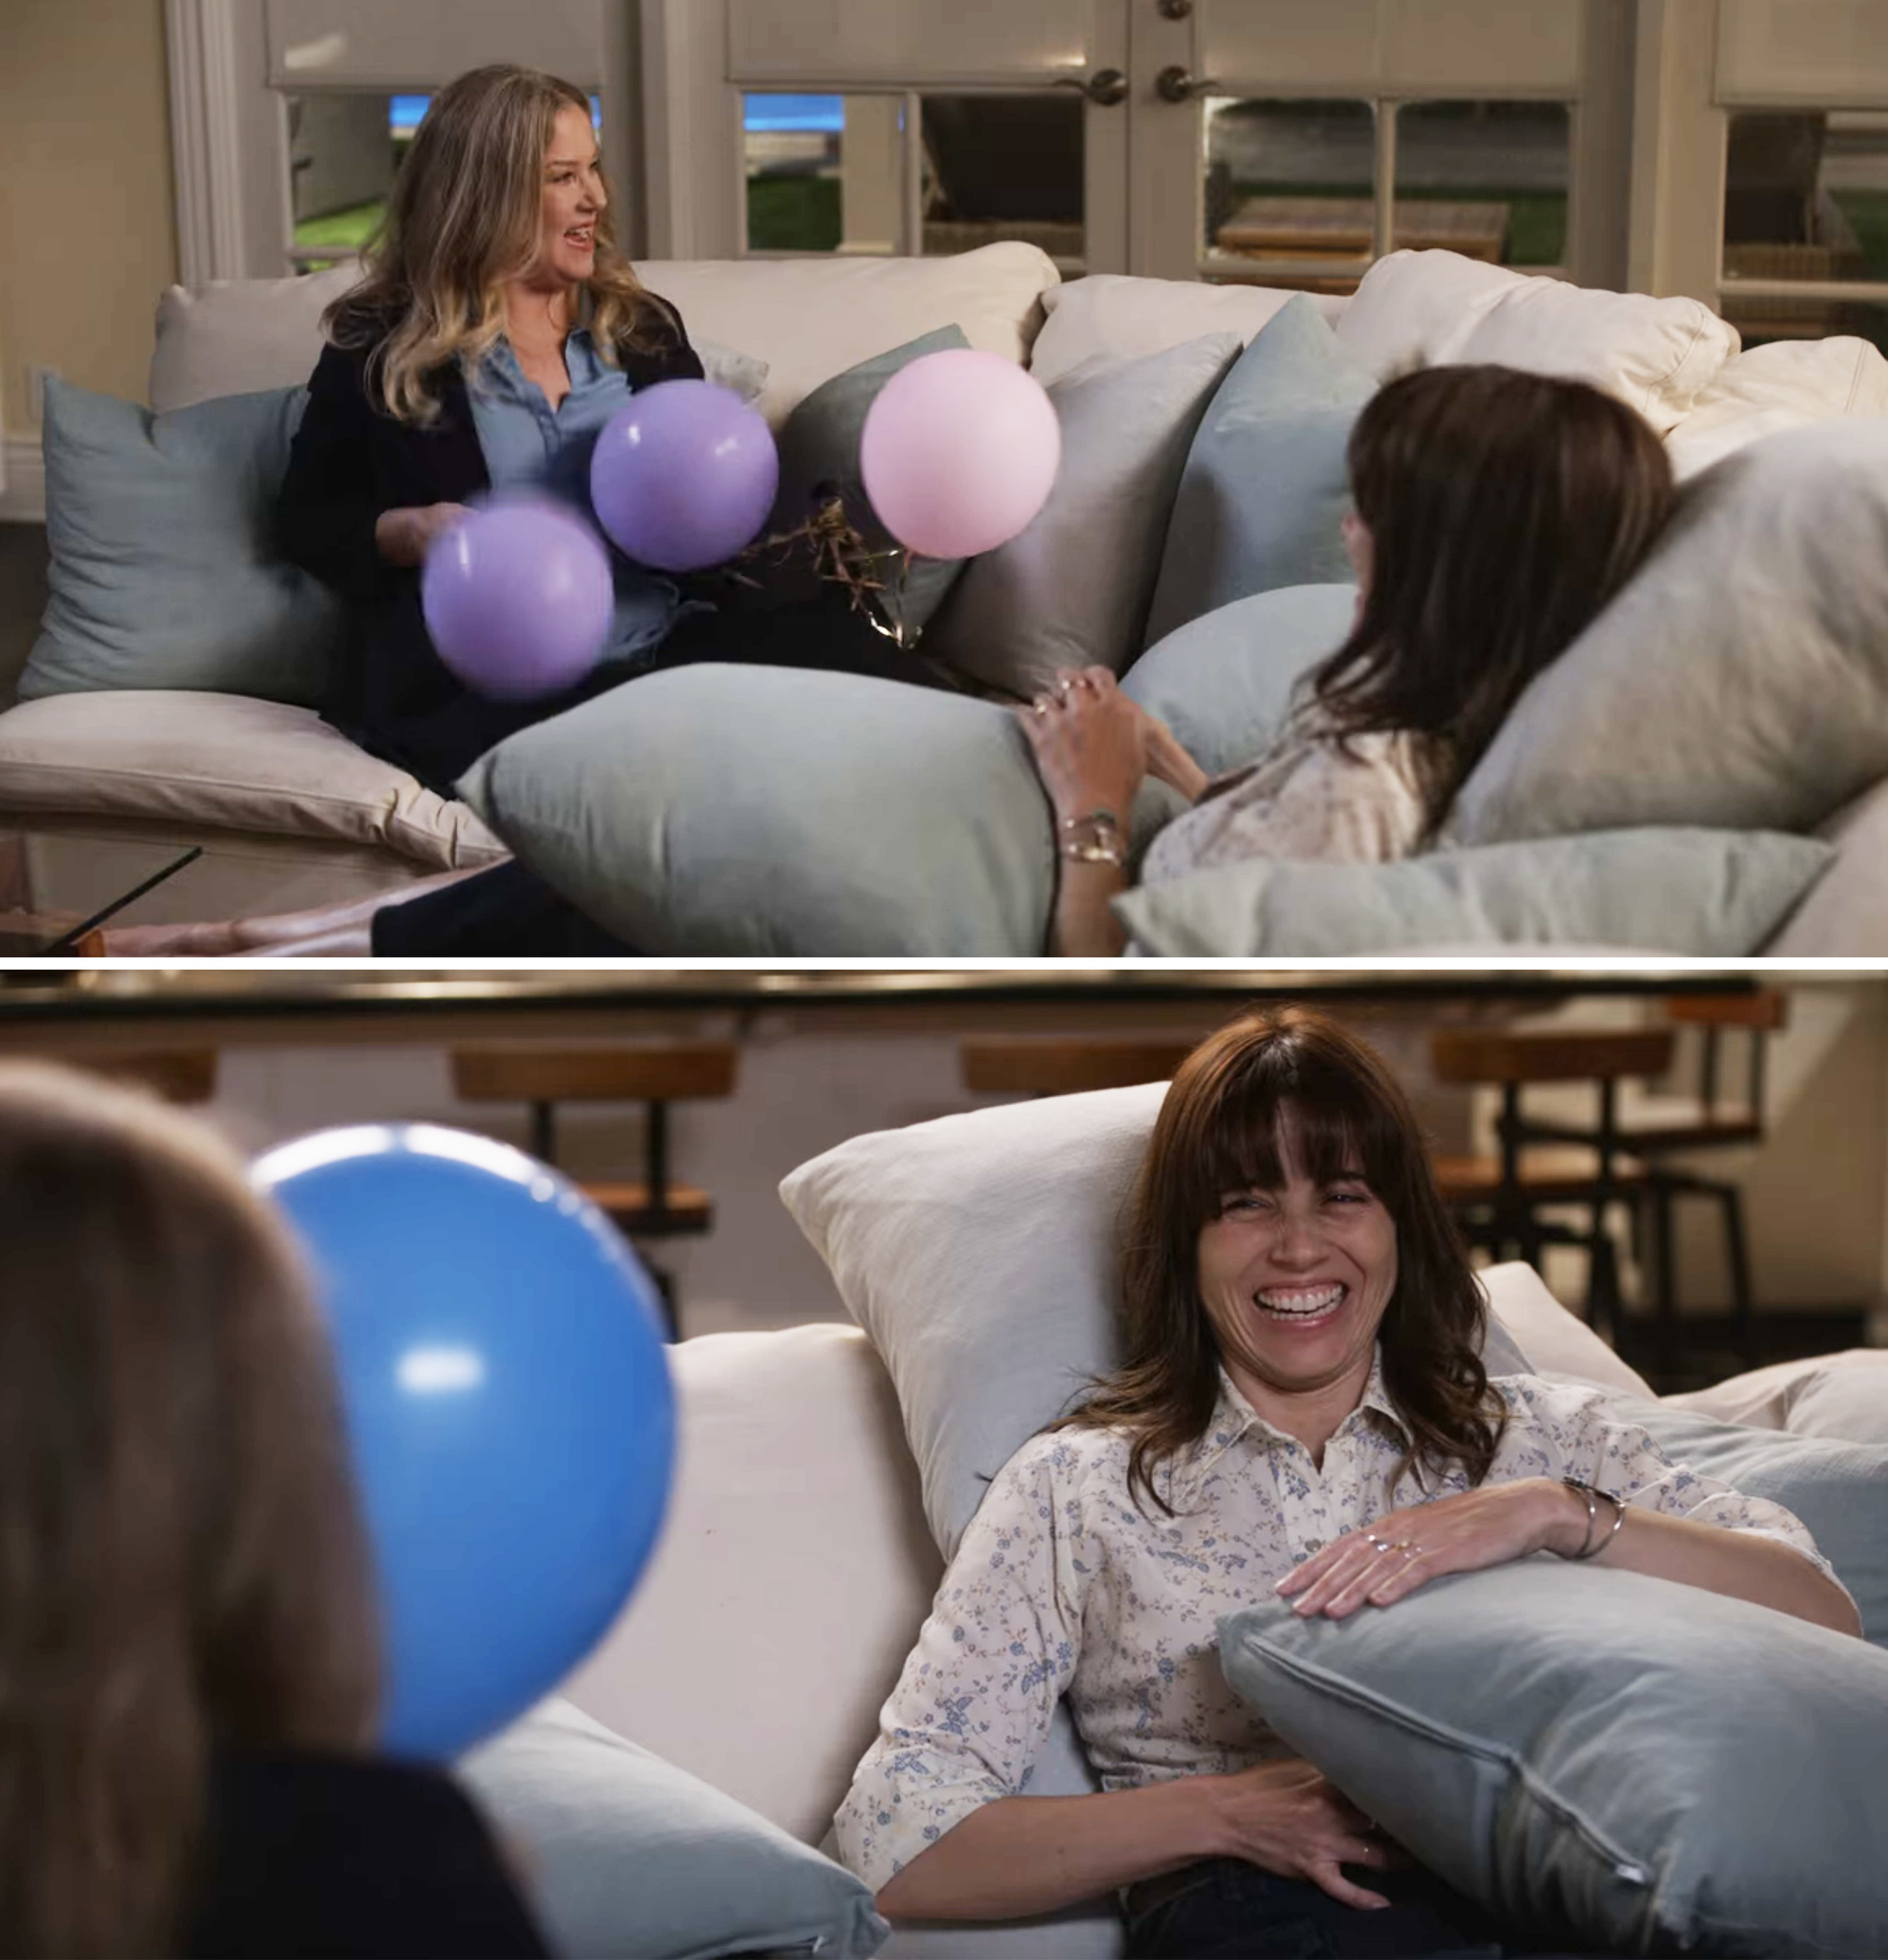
[1488, 180]
[1007, 165]
[1289, 183]
[344, 146]
[1806, 197]
[793, 144]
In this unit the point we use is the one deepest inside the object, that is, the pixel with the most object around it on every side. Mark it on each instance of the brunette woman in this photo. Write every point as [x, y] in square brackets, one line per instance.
[1301, 1406]
[1495, 514]
[189, 1664]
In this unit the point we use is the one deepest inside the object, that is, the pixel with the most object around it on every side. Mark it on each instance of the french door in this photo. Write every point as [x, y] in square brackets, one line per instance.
[1281, 140]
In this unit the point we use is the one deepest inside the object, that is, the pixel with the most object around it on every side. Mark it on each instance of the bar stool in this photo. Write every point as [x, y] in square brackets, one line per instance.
[1663, 1127]
[653, 1074]
[1499, 1200]
[1066, 1064]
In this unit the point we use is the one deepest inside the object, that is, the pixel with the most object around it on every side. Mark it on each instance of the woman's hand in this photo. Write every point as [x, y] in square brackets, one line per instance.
[1287, 1819]
[404, 536]
[1380, 1565]
[1090, 743]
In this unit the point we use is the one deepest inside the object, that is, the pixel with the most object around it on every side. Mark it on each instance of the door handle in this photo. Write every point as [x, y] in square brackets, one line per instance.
[1175, 83]
[1106, 87]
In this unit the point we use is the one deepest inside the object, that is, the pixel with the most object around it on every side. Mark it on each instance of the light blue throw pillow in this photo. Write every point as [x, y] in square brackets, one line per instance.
[1262, 498]
[1839, 1489]
[768, 812]
[820, 455]
[632, 1858]
[1223, 682]
[1698, 893]
[165, 570]
[1623, 1764]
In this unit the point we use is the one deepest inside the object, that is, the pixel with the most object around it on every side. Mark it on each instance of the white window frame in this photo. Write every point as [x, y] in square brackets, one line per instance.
[229, 139]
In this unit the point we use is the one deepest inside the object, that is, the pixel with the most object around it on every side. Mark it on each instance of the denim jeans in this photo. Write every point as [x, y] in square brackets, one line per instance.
[1226, 1909]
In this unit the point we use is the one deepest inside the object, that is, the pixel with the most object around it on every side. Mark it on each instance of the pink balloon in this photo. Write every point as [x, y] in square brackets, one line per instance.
[960, 452]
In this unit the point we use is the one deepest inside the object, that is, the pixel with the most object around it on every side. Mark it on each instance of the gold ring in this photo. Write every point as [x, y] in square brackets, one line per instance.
[1408, 1547]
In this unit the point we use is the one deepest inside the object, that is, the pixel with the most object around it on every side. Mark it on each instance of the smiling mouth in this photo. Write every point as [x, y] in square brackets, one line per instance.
[583, 236]
[1301, 1305]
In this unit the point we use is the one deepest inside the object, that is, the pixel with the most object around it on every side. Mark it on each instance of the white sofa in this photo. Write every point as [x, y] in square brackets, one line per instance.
[796, 1567]
[286, 806]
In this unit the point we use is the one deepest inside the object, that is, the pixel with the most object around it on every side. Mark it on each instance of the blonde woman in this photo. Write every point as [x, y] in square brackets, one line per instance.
[189, 1659]
[498, 330]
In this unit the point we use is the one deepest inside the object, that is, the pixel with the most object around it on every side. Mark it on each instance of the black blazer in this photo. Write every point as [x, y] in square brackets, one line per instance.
[350, 461]
[336, 1856]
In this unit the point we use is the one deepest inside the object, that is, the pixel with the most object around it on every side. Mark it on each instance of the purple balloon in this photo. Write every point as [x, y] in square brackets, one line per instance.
[684, 476]
[518, 598]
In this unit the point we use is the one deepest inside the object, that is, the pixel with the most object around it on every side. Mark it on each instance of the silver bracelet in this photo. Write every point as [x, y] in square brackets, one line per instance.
[1593, 1546]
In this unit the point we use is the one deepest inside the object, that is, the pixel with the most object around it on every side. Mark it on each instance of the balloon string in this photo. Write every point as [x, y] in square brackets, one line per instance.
[876, 581]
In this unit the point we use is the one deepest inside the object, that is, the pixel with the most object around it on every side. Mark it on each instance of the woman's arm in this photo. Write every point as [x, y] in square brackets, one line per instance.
[1502, 1521]
[1092, 746]
[1025, 1855]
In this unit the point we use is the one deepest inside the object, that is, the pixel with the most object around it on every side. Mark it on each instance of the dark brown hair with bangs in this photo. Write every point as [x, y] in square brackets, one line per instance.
[1218, 1132]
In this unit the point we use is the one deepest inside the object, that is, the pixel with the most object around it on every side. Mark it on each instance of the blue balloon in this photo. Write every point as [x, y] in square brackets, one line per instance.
[508, 1403]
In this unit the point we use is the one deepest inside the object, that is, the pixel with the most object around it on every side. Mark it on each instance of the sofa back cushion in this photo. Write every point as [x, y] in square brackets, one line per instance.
[1436, 307]
[808, 320]
[1784, 384]
[790, 1579]
[1110, 316]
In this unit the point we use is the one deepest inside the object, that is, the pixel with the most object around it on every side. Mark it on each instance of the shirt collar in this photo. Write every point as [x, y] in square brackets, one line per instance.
[500, 375]
[1233, 1418]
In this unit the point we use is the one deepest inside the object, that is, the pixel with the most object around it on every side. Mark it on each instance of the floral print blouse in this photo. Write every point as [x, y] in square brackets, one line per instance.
[1062, 1586]
[1311, 798]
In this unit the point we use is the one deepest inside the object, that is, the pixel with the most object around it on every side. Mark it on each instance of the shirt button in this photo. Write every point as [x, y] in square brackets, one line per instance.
[1312, 1545]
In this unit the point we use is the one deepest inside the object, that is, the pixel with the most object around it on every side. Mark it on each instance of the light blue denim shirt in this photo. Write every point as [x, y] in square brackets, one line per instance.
[528, 445]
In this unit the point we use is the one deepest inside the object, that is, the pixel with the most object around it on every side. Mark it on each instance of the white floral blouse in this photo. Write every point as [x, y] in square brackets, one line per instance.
[1062, 1586]
[1311, 798]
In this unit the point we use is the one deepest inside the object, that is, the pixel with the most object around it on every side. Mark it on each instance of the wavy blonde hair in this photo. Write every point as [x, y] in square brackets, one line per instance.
[462, 218]
[182, 1561]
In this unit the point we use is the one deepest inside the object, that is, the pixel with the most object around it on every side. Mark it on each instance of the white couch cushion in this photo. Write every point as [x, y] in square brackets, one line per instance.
[225, 761]
[1109, 317]
[792, 1575]
[808, 319]
[1785, 384]
[1844, 1396]
[1431, 308]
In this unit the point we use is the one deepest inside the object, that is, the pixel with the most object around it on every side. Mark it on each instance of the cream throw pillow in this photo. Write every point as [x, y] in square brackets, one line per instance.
[1438, 307]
